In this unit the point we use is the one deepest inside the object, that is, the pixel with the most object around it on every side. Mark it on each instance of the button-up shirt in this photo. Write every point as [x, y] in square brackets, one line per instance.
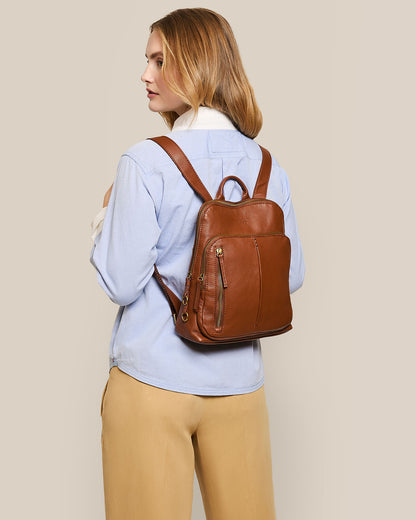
[150, 219]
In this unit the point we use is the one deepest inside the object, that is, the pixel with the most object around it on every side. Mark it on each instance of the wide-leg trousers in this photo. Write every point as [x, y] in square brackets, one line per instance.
[154, 439]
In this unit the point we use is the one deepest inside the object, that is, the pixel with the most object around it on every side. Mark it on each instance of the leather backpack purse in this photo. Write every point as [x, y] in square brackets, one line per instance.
[237, 286]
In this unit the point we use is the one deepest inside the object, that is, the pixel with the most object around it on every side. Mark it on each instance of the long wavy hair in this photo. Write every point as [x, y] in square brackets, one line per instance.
[204, 66]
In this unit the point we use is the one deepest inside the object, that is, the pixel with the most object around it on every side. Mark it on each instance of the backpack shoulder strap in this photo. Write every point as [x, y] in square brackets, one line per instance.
[185, 167]
[260, 190]
[182, 162]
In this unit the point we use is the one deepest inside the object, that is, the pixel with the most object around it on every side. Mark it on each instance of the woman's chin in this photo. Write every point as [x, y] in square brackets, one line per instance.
[153, 107]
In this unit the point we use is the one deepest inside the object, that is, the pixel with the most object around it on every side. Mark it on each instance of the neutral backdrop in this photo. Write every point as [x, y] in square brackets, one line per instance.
[335, 81]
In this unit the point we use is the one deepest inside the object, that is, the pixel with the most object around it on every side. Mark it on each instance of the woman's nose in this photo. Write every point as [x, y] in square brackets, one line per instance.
[146, 76]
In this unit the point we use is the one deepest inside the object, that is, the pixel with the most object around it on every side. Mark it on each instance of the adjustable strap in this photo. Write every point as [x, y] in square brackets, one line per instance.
[260, 190]
[182, 162]
[173, 300]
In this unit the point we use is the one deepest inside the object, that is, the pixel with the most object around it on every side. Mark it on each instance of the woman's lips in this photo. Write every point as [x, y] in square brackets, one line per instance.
[151, 94]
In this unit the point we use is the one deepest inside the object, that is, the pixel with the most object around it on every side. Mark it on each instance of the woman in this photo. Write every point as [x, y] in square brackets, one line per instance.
[169, 406]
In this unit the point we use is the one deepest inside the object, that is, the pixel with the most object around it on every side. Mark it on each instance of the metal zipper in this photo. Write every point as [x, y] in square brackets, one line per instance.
[222, 284]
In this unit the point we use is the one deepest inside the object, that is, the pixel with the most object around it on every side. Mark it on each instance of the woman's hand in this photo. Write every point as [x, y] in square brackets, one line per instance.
[107, 196]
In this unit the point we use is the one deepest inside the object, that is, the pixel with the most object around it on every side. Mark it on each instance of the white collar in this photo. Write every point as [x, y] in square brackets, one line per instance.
[207, 118]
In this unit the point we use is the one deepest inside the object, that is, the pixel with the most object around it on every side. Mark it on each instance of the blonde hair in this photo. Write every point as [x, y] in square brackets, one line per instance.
[202, 66]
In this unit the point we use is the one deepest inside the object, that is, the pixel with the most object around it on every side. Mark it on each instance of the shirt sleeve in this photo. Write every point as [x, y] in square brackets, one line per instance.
[297, 264]
[124, 252]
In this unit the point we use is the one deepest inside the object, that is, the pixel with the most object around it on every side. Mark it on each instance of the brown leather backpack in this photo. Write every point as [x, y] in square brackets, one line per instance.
[237, 287]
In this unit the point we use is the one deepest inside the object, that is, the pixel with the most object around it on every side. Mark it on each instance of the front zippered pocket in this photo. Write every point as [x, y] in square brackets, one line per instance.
[222, 284]
[244, 285]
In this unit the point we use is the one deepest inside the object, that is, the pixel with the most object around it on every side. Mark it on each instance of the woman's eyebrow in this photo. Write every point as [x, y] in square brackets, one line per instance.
[155, 54]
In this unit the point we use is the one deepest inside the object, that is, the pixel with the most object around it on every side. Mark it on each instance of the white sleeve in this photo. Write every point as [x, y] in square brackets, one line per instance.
[97, 223]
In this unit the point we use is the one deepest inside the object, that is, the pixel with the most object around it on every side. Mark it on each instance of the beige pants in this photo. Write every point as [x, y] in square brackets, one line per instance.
[153, 439]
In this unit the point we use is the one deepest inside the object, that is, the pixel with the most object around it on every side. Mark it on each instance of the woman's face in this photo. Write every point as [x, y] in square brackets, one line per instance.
[165, 100]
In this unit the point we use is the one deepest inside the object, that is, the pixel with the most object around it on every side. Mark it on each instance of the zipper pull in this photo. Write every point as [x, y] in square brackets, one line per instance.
[220, 256]
[185, 297]
[198, 291]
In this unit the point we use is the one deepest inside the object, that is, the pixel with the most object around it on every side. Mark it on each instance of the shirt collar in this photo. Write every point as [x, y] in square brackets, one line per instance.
[207, 118]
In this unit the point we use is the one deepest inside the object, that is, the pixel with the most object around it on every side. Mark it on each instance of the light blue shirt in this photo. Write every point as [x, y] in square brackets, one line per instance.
[150, 218]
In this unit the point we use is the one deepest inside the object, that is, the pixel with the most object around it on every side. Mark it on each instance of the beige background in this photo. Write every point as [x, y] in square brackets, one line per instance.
[336, 83]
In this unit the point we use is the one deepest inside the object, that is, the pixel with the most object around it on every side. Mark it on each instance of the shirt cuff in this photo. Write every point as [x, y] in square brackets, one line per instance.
[97, 223]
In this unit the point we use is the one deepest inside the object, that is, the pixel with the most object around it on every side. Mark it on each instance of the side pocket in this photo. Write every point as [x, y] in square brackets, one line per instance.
[102, 398]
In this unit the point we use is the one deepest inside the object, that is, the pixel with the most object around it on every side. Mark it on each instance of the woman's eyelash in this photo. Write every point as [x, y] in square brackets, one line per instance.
[158, 61]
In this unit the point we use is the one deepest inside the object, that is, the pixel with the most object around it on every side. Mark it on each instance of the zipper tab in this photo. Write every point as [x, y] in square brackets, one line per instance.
[220, 256]
[198, 291]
